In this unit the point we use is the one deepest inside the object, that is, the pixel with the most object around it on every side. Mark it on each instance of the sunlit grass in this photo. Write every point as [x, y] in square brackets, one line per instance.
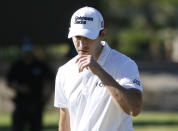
[156, 121]
[146, 121]
[156, 128]
[157, 117]
[51, 118]
[5, 119]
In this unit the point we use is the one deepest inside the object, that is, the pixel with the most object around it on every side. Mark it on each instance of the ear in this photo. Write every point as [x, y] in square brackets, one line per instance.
[103, 33]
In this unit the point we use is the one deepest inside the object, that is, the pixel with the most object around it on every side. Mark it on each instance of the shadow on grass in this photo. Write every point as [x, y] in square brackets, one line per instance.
[4, 128]
[46, 128]
[155, 123]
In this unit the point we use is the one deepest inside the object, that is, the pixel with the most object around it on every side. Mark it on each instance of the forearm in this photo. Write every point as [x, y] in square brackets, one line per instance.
[130, 100]
[64, 121]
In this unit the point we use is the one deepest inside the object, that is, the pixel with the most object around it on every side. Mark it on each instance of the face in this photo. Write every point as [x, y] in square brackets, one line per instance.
[86, 46]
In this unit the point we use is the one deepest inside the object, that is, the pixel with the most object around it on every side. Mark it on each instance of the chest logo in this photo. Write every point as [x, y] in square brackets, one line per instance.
[99, 84]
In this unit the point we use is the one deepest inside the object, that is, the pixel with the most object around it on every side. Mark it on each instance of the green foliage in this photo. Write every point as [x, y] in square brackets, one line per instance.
[166, 3]
[9, 53]
[137, 23]
[133, 42]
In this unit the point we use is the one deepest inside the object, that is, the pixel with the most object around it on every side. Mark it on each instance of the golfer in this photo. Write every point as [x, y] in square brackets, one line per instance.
[100, 88]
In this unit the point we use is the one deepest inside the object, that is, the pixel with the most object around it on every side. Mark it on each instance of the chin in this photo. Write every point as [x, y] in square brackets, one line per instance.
[83, 53]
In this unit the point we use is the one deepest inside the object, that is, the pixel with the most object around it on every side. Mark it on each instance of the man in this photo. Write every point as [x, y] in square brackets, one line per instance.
[29, 77]
[99, 89]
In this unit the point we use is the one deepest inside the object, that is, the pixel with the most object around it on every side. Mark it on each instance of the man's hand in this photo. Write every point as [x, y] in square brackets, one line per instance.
[86, 61]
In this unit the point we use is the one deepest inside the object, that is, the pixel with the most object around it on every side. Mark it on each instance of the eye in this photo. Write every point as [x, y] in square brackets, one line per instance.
[78, 37]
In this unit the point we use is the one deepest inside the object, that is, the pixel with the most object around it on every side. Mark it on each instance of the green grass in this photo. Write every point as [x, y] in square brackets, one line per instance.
[156, 121]
[50, 121]
[146, 121]
[51, 118]
[5, 119]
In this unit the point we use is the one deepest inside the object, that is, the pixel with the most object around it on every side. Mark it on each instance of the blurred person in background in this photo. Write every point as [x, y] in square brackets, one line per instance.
[31, 78]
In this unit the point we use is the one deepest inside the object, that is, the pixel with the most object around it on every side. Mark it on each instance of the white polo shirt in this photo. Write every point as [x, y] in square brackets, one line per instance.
[90, 106]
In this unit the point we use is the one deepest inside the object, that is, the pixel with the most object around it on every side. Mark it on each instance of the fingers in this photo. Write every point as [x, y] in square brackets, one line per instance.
[81, 58]
[83, 65]
[83, 62]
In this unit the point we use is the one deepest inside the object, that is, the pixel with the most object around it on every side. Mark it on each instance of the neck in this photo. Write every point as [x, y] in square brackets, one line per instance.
[98, 51]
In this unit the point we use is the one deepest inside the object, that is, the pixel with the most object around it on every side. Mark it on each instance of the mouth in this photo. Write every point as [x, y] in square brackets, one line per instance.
[83, 51]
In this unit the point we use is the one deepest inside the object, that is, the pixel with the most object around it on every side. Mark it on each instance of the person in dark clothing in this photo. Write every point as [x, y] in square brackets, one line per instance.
[29, 77]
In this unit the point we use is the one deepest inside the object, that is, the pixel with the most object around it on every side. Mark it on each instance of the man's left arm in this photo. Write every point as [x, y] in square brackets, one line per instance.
[130, 100]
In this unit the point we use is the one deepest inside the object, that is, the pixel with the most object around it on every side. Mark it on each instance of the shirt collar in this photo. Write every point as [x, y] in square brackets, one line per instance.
[104, 54]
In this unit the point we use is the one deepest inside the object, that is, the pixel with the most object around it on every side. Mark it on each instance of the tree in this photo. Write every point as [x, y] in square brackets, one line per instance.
[139, 26]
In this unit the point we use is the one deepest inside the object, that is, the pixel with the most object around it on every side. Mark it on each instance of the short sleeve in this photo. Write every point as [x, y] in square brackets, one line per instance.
[60, 100]
[129, 76]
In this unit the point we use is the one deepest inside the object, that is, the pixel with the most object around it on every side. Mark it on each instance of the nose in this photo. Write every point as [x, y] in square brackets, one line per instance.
[82, 41]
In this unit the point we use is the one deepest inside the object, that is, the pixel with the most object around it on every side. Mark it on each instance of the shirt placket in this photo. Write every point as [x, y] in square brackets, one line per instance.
[85, 82]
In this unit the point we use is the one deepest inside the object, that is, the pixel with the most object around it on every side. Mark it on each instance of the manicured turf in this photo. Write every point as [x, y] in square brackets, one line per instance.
[146, 121]
[156, 121]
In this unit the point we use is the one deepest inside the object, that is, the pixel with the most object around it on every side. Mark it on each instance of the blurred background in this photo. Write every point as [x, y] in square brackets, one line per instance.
[145, 30]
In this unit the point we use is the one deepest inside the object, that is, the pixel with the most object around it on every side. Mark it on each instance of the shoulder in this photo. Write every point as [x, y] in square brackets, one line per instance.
[67, 67]
[126, 65]
[66, 71]
[121, 63]
[118, 58]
